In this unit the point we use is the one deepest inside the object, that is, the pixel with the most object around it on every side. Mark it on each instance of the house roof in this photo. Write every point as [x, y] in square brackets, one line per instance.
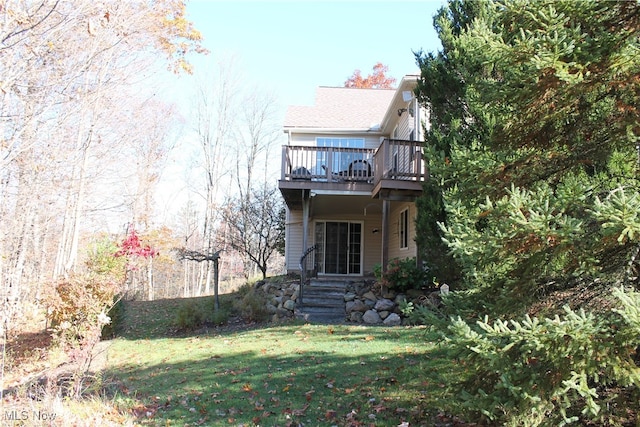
[341, 108]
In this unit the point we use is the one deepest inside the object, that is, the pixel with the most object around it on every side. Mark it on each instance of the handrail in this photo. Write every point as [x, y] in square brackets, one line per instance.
[303, 269]
[393, 159]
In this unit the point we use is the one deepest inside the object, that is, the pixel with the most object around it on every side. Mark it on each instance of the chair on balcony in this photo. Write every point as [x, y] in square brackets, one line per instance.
[301, 173]
[359, 169]
[331, 176]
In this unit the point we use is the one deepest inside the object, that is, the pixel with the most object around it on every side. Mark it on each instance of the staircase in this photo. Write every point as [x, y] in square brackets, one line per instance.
[323, 301]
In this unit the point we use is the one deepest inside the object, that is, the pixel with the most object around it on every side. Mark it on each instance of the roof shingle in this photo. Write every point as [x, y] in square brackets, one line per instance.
[341, 108]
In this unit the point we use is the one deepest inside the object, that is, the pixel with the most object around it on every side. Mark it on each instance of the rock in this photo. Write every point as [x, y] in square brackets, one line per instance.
[361, 288]
[283, 314]
[400, 298]
[271, 309]
[388, 294]
[349, 296]
[355, 305]
[393, 320]
[289, 305]
[384, 305]
[370, 296]
[355, 316]
[370, 303]
[383, 314]
[371, 317]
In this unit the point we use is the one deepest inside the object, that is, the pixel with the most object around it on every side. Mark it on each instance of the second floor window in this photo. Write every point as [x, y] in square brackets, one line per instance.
[340, 160]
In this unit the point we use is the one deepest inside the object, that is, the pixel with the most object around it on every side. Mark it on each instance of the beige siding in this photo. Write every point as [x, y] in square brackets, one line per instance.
[371, 241]
[394, 231]
[293, 241]
[405, 126]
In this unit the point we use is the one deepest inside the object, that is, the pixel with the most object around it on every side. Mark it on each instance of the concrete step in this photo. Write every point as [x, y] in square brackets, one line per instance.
[323, 301]
[328, 294]
[321, 314]
[318, 302]
[328, 283]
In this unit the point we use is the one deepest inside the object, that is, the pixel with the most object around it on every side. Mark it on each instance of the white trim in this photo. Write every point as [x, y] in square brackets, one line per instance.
[318, 131]
[325, 221]
[401, 226]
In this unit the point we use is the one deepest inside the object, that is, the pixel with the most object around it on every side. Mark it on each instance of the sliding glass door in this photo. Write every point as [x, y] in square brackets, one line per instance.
[339, 247]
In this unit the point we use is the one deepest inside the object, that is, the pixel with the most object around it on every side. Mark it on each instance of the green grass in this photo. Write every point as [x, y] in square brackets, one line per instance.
[277, 375]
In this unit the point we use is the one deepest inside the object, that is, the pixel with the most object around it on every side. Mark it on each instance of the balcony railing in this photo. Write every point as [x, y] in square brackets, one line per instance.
[394, 159]
[328, 164]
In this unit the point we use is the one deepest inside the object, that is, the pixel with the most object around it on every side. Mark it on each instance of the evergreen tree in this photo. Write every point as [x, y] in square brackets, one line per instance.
[534, 128]
[442, 87]
[533, 155]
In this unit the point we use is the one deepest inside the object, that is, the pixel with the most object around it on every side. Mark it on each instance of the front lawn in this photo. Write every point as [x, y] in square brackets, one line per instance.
[282, 375]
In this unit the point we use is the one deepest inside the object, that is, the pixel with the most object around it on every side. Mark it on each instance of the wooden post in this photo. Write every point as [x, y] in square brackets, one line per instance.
[215, 283]
[385, 233]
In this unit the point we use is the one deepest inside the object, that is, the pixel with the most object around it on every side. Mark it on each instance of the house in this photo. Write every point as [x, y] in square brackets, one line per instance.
[351, 172]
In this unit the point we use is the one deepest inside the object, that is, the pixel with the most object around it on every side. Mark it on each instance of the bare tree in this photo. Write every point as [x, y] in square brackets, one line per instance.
[215, 114]
[256, 225]
[68, 68]
[257, 132]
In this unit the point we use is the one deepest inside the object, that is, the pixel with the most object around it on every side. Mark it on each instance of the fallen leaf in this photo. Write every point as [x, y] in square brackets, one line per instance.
[301, 411]
[379, 408]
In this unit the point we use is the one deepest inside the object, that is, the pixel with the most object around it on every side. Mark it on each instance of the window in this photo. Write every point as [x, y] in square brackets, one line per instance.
[340, 160]
[404, 229]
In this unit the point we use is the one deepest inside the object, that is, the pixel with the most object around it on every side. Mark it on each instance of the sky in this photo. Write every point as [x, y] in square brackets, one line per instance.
[289, 48]
[292, 47]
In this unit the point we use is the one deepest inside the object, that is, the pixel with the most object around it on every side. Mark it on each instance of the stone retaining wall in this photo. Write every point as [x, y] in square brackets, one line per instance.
[365, 301]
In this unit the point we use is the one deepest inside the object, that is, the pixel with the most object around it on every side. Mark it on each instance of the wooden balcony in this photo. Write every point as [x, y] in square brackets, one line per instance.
[395, 170]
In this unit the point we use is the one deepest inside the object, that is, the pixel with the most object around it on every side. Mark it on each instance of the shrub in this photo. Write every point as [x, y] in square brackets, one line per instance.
[552, 371]
[423, 314]
[219, 316]
[78, 304]
[77, 310]
[194, 313]
[189, 316]
[402, 274]
[253, 304]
